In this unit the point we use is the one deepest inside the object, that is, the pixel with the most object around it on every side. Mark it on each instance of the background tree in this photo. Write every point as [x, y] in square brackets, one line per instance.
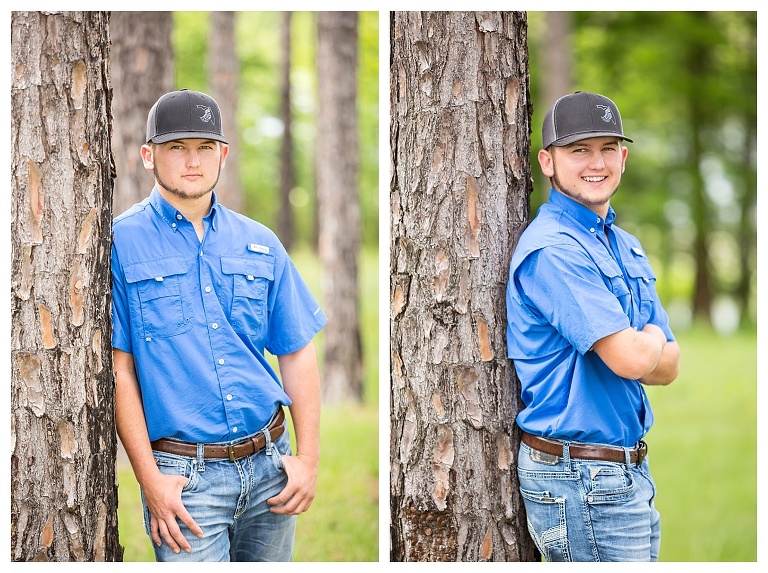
[338, 204]
[141, 68]
[63, 441]
[224, 81]
[287, 172]
[459, 132]
[686, 84]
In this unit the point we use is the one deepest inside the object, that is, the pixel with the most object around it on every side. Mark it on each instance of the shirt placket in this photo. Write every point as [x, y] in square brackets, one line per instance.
[216, 328]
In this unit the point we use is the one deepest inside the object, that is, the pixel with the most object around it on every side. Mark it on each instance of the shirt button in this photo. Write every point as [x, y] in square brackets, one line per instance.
[229, 396]
[173, 225]
[215, 325]
[178, 216]
[234, 429]
[148, 339]
[592, 230]
[207, 289]
[221, 361]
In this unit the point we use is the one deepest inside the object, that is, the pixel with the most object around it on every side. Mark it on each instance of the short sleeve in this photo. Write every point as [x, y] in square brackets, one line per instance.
[295, 316]
[564, 285]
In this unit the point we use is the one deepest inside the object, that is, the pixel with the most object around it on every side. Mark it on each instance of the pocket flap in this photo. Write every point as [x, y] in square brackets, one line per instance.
[156, 269]
[249, 266]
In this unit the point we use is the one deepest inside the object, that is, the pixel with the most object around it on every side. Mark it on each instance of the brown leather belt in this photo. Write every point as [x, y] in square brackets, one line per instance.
[585, 452]
[233, 451]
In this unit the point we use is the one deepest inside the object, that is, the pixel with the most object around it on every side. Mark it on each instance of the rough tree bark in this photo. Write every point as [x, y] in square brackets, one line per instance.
[141, 68]
[338, 203]
[224, 79]
[63, 441]
[459, 189]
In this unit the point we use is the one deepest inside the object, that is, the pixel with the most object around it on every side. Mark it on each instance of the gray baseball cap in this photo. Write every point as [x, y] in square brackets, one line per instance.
[184, 114]
[581, 115]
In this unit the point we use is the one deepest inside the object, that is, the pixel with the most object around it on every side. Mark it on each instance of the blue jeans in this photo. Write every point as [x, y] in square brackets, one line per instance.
[585, 510]
[228, 500]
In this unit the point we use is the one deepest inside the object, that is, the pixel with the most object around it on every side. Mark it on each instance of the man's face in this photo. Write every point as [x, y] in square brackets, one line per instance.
[186, 168]
[588, 171]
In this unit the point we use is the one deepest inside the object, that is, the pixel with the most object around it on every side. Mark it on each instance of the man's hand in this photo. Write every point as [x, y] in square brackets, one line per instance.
[299, 492]
[163, 497]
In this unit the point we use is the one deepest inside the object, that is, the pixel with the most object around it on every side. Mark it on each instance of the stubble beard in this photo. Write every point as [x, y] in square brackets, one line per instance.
[579, 197]
[183, 194]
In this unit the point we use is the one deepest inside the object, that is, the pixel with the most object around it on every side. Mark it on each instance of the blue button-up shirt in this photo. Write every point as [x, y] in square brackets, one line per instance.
[198, 315]
[574, 279]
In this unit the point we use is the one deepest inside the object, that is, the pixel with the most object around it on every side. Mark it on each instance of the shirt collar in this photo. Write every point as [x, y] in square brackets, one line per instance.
[171, 215]
[583, 215]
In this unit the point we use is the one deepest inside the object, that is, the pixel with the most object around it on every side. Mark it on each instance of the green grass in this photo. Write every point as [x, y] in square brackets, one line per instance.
[703, 450]
[343, 522]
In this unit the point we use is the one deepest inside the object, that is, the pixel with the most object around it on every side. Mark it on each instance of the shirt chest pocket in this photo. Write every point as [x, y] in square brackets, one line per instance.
[644, 280]
[615, 281]
[250, 281]
[163, 312]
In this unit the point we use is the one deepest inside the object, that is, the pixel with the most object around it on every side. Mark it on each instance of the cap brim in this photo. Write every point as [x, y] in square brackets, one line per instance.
[166, 137]
[589, 135]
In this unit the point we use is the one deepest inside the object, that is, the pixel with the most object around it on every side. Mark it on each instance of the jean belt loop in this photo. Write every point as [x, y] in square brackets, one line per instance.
[567, 454]
[200, 459]
[268, 446]
[627, 456]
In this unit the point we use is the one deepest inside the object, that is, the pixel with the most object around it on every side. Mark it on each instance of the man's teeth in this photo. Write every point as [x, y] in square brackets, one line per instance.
[593, 179]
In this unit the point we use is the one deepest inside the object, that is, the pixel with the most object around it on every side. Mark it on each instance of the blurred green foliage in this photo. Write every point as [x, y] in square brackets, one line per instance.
[686, 86]
[258, 46]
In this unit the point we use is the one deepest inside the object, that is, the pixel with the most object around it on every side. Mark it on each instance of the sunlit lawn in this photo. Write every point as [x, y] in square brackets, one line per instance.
[343, 522]
[703, 450]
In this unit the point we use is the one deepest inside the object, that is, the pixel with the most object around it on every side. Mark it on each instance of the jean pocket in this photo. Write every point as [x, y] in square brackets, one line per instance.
[547, 523]
[607, 483]
[172, 465]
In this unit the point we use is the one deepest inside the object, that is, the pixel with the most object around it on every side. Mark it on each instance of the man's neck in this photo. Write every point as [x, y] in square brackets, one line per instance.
[192, 209]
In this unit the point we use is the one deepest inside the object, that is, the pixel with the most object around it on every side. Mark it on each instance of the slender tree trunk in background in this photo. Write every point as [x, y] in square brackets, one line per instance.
[285, 224]
[747, 232]
[223, 77]
[460, 140]
[698, 120]
[141, 68]
[63, 440]
[338, 203]
[556, 77]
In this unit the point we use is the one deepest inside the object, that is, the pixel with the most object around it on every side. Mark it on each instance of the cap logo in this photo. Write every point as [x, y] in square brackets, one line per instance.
[207, 114]
[607, 114]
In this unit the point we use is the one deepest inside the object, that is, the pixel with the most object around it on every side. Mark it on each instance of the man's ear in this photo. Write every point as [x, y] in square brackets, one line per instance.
[224, 153]
[148, 157]
[546, 163]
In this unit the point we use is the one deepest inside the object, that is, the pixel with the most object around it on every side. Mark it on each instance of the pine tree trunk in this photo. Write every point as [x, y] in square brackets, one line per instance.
[224, 79]
[63, 441]
[460, 140]
[338, 203]
[285, 225]
[141, 68]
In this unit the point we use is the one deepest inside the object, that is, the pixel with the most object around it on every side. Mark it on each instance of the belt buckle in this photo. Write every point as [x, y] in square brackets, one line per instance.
[231, 452]
[642, 451]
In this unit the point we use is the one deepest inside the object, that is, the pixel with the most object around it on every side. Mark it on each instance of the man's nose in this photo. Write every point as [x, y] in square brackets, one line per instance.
[596, 160]
[193, 158]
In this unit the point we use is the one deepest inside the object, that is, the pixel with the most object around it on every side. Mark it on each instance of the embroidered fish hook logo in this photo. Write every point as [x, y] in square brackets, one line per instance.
[607, 114]
[207, 114]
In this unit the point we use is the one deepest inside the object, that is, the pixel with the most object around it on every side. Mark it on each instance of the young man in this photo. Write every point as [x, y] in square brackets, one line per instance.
[199, 293]
[586, 330]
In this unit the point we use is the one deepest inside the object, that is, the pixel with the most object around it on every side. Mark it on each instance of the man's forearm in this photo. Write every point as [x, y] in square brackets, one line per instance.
[301, 381]
[667, 368]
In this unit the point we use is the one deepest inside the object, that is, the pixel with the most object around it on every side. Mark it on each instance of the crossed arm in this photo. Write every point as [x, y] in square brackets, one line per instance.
[643, 355]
